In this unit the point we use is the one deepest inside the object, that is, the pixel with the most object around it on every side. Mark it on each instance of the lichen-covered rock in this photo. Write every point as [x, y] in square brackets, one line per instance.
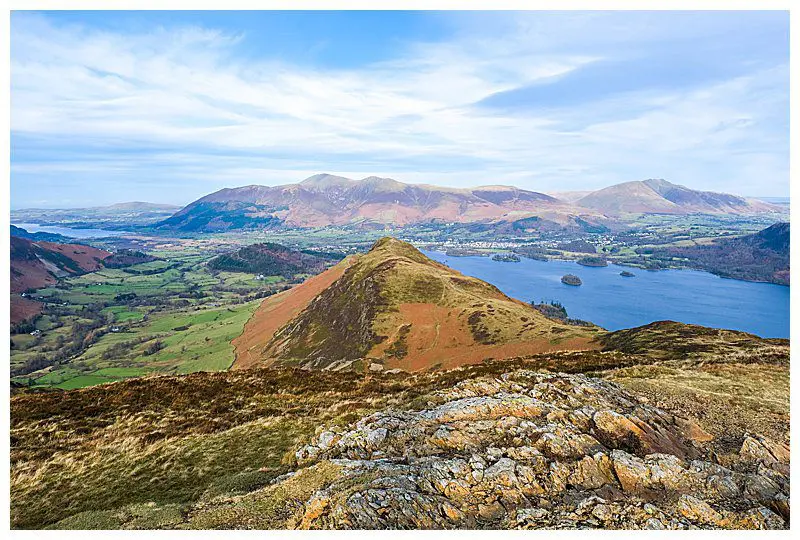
[539, 450]
[698, 511]
[768, 453]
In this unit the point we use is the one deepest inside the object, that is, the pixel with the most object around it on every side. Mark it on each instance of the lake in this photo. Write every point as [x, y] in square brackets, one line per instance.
[616, 302]
[66, 231]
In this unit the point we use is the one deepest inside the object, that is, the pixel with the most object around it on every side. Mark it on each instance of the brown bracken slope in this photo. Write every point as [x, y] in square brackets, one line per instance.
[38, 264]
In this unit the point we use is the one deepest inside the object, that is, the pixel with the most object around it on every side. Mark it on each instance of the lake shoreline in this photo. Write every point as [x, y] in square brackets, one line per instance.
[692, 296]
[611, 262]
[77, 233]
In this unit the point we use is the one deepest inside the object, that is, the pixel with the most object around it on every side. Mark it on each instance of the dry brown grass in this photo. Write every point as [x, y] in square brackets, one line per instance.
[729, 400]
[174, 440]
[143, 452]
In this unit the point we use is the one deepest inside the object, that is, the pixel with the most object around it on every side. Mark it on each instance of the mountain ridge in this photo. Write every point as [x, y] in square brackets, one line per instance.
[327, 199]
[394, 308]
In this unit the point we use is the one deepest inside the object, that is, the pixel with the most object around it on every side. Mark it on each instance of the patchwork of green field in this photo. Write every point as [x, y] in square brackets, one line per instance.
[152, 266]
[176, 343]
[166, 316]
[150, 280]
[106, 285]
[241, 280]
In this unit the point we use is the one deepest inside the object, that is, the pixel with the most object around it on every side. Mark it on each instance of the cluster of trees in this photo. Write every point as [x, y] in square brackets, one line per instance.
[272, 260]
[25, 327]
[127, 257]
[153, 347]
[763, 256]
[122, 349]
[577, 246]
[555, 310]
[592, 261]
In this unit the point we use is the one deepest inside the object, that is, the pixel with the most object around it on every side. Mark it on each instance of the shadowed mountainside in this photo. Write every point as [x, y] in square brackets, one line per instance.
[37, 263]
[762, 256]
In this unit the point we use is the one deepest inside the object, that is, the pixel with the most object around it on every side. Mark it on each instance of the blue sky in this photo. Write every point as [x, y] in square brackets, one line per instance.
[168, 106]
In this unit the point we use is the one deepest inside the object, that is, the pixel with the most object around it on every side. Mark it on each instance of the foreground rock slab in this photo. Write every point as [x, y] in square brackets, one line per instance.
[538, 450]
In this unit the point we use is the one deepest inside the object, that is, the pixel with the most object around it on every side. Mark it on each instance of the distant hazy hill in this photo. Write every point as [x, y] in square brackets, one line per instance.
[662, 197]
[128, 212]
[272, 259]
[139, 206]
[37, 236]
[396, 308]
[333, 200]
[763, 256]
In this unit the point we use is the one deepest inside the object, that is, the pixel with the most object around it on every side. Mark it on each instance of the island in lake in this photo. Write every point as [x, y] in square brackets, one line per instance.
[505, 257]
[625, 273]
[570, 279]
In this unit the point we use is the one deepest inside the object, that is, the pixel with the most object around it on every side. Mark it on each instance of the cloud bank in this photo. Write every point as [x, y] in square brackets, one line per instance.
[546, 101]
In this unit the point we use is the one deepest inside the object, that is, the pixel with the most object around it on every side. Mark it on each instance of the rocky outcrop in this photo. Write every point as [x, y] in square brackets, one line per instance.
[539, 450]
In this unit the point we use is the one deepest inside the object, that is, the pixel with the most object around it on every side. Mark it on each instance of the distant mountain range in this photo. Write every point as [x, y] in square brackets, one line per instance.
[137, 207]
[394, 308]
[126, 212]
[326, 199]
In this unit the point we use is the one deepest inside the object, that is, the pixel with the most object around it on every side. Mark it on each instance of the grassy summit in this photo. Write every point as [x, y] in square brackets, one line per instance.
[393, 307]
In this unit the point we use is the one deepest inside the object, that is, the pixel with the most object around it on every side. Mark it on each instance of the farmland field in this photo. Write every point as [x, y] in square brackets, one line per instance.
[172, 315]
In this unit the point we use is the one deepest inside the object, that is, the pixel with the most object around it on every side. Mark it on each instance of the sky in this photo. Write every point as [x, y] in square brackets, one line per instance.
[167, 106]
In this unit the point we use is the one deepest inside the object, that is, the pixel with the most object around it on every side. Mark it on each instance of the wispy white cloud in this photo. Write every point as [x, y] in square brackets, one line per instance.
[179, 104]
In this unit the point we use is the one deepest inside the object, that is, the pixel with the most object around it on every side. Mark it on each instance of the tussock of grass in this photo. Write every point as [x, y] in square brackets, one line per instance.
[268, 508]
